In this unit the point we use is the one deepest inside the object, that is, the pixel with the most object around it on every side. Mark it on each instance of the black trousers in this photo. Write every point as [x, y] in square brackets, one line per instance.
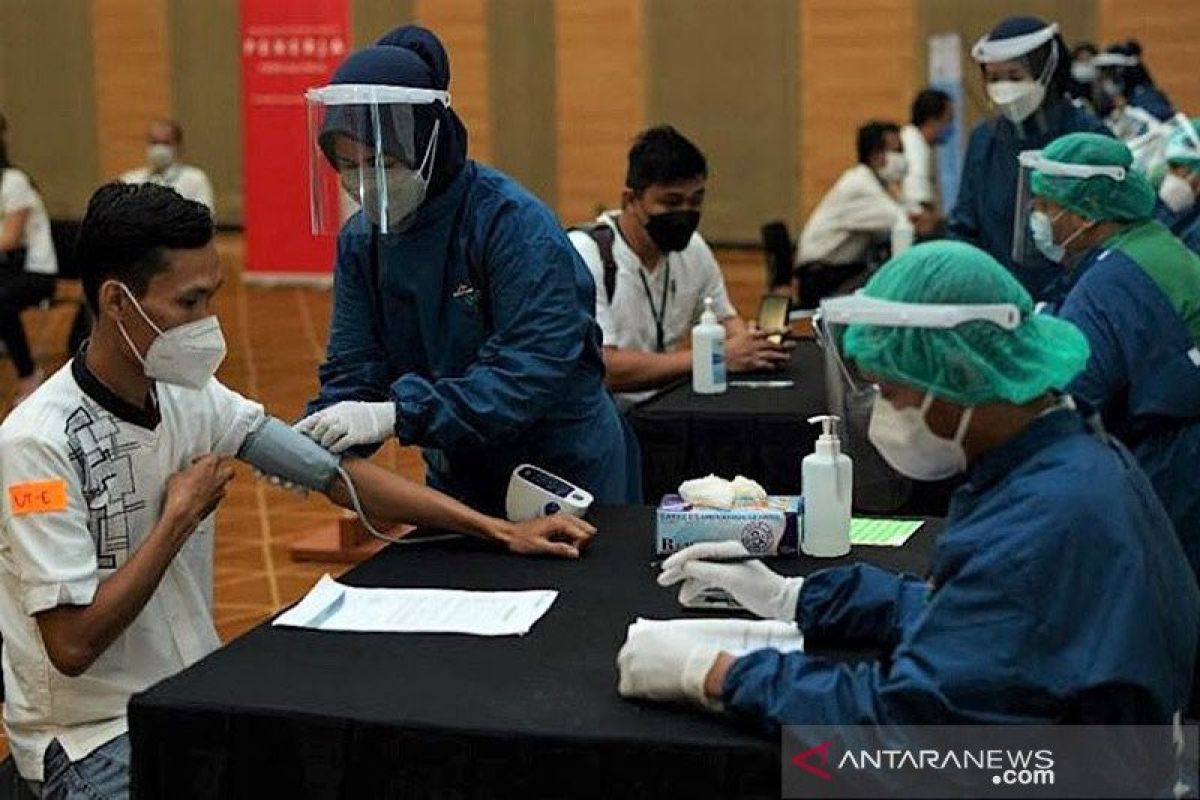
[20, 290]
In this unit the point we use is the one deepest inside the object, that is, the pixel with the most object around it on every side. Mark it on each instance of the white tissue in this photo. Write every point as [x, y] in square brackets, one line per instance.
[747, 492]
[709, 491]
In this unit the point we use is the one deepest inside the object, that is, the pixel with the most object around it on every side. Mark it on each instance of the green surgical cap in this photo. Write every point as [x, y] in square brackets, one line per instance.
[1181, 149]
[975, 362]
[1098, 197]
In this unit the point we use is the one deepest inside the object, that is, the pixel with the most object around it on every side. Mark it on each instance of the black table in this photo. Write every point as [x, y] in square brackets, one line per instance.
[761, 433]
[294, 713]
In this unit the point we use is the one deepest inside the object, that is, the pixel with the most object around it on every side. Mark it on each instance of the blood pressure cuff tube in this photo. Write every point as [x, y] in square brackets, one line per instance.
[275, 448]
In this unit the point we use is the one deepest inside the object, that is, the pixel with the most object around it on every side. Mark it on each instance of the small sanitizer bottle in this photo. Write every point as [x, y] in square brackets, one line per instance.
[827, 477]
[708, 353]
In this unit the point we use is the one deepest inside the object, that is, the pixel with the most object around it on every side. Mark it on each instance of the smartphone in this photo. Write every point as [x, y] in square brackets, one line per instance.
[773, 315]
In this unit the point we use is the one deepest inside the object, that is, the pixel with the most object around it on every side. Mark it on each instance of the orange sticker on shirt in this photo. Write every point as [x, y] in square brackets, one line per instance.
[38, 497]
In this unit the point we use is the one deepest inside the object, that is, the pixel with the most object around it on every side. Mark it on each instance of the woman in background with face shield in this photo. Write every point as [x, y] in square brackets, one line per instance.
[1177, 207]
[1025, 67]
[1057, 592]
[463, 316]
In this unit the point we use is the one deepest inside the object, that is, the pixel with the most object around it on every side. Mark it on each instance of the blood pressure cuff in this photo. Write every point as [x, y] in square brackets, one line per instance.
[277, 449]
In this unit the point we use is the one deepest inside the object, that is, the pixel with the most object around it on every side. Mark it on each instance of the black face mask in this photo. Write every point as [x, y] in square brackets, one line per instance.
[672, 230]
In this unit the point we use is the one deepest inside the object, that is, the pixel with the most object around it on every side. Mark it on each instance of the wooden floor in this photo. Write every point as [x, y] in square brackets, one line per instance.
[276, 337]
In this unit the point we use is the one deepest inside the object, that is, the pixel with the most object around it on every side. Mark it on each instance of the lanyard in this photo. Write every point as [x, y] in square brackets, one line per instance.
[659, 313]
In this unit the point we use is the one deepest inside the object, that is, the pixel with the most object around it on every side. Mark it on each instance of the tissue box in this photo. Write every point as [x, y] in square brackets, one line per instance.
[772, 530]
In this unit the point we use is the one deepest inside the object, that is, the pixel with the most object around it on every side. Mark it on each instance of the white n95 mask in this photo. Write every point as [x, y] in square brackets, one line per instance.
[904, 439]
[1017, 99]
[160, 155]
[186, 355]
[1176, 193]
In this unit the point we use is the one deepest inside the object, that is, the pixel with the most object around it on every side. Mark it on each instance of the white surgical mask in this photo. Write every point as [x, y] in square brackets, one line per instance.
[160, 156]
[904, 439]
[1083, 71]
[186, 355]
[1017, 99]
[894, 168]
[1041, 228]
[1176, 193]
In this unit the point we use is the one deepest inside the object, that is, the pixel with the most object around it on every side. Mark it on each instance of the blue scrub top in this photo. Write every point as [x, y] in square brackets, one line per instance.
[1143, 377]
[1153, 101]
[1176, 223]
[984, 210]
[478, 323]
[1057, 593]
[1190, 236]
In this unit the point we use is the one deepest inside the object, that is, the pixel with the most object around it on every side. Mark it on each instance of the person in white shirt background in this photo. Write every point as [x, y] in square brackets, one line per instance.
[28, 263]
[660, 269]
[164, 165]
[111, 472]
[930, 125]
[840, 242]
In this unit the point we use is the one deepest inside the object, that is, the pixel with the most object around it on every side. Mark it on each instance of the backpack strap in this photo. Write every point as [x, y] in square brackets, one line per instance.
[604, 236]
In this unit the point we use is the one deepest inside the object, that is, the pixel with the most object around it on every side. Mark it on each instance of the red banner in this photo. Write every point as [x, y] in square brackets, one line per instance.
[287, 47]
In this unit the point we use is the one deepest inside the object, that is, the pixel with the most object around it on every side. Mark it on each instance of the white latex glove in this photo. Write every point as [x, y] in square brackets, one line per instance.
[747, 492]
[665, 661]
[709, 492]
[759, 590]
[349, 423]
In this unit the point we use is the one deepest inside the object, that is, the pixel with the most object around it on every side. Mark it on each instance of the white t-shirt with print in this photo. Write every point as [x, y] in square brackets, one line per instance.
[627, 321]
[17, 194]
[84, 483]
[854, 215]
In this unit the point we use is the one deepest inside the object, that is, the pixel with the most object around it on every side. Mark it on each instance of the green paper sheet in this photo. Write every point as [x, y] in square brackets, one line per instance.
[882, 532]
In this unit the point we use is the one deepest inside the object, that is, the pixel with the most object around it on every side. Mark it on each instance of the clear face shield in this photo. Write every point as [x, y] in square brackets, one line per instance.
[851, 394]
[1031, 238]
[369, 152]
[1174, 139]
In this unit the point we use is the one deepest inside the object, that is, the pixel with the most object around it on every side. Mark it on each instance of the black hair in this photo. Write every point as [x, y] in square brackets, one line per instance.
[1060, 79]
[929, 104]
[663, 155]
[127, 227]
[872, 138]
[1130, 78]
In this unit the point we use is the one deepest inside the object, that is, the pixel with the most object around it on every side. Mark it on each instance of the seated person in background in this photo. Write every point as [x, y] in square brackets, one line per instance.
[164, 149]
[28, 264]
[1129, 100]
[111, 472]
[1081, 87]
[653, 270]
[1058, 592]
[932, 124]
[1138, 302]
[855, 218]
[1176, 206]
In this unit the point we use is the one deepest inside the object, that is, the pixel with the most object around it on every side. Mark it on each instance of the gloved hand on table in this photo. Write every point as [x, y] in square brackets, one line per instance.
[758, 589]
[667, 660]
[350, 423]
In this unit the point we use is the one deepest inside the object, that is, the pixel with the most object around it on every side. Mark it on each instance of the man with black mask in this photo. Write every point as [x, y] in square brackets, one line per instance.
[653, 271]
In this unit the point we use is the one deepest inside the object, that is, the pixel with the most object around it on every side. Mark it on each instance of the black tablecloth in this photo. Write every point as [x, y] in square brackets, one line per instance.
[295, 713]
[760, 433]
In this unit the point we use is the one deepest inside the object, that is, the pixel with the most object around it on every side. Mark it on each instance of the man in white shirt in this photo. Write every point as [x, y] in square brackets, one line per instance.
[164, 149]
[111, 471]
[931, 123]
[653, 271]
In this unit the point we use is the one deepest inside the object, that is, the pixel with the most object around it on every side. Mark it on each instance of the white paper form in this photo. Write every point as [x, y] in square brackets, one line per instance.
[737, 636]
[331, 606]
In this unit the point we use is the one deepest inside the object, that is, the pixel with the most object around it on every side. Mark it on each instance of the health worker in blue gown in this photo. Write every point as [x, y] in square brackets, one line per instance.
[463, 317]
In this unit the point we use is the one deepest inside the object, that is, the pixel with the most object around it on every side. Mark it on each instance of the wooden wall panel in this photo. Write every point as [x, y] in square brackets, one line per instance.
[47, 94]
[521, 92]
[462, 27]
[600, 95]
[373, 18]
[857, 63]
[724, 73]
[132, 74]
[1169, 31]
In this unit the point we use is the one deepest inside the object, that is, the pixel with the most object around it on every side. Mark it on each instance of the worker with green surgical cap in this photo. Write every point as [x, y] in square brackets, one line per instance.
[1057, 591]
[1177, 207]
[1137, 299]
